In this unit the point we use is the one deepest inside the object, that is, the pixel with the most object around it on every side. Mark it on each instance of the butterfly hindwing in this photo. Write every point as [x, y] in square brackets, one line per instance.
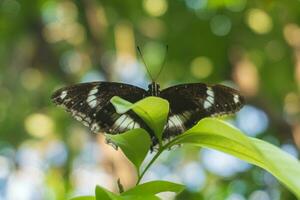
[90, 104]
[191, 102]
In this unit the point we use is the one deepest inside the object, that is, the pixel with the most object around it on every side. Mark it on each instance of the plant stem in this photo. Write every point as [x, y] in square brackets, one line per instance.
[160, 150]
[149, 165]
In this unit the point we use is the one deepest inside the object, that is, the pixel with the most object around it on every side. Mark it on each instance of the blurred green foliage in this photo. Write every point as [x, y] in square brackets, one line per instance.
[253, 45]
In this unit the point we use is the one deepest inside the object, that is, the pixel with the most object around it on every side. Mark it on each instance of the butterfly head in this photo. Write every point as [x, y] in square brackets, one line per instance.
[153, 89]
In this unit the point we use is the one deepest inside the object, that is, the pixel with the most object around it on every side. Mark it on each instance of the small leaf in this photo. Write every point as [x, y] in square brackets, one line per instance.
[153, 110]
[84, 198]
[103, 194]
[154, 187]
[135, 144]
[121, 105]
[216, 134]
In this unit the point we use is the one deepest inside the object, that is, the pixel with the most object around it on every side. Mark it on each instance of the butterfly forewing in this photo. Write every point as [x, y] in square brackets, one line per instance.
[90, 104]
[189, 103]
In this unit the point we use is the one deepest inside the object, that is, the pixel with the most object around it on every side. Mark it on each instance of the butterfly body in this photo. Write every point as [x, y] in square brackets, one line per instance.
[90, 104]
[153, 89]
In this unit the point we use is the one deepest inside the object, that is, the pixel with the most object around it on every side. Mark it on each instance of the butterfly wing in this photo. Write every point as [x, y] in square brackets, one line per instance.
[90, 104]
[191, 102]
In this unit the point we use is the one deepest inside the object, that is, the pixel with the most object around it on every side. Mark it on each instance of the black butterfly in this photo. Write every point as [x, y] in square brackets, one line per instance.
[189, 103]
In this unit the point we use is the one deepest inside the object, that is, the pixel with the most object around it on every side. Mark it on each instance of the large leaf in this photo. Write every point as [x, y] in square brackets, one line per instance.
[141, 197]
[154, 187]
[153, 110]
[216, 134]
[146, 191]
[135, 144]
[103, 194]
[84, 198]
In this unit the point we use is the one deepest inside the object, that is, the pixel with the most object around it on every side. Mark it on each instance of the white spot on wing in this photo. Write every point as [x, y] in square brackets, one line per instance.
[76, 113]
[85, 123]
[78, 118]
[125, 122]
[63, 94]
[236, 98]
[92, 101]
[88, 120]
[175, 121]
[186, 114]
[90, 98]
[207, 104]
[93, 91]
[210, 92]
[210, 99]
[136, 125]
[130, 125]
[95, 127]
[119, 120]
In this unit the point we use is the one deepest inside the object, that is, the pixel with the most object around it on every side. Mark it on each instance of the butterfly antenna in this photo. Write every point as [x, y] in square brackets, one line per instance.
[142, 57]
[163, 63]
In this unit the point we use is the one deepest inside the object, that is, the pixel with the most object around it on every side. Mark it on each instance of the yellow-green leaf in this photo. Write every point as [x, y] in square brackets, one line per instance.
[84, 198]
[217, 134]
[135, 144]
[104, 194]
[153, 110]
[154, 187]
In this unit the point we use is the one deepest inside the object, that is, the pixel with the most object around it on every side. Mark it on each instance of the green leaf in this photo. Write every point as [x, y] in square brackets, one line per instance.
[121, 105]
[216, 134]
[153, 110]
[84, 198]
[103, 194]
[154, 187]
[141, 197]
[146, 191]
[135, 144]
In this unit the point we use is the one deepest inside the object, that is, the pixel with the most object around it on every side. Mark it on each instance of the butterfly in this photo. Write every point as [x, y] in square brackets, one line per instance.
[90, 104]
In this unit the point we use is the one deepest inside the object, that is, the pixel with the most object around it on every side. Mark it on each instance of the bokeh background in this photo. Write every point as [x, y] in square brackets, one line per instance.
[253, 45]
